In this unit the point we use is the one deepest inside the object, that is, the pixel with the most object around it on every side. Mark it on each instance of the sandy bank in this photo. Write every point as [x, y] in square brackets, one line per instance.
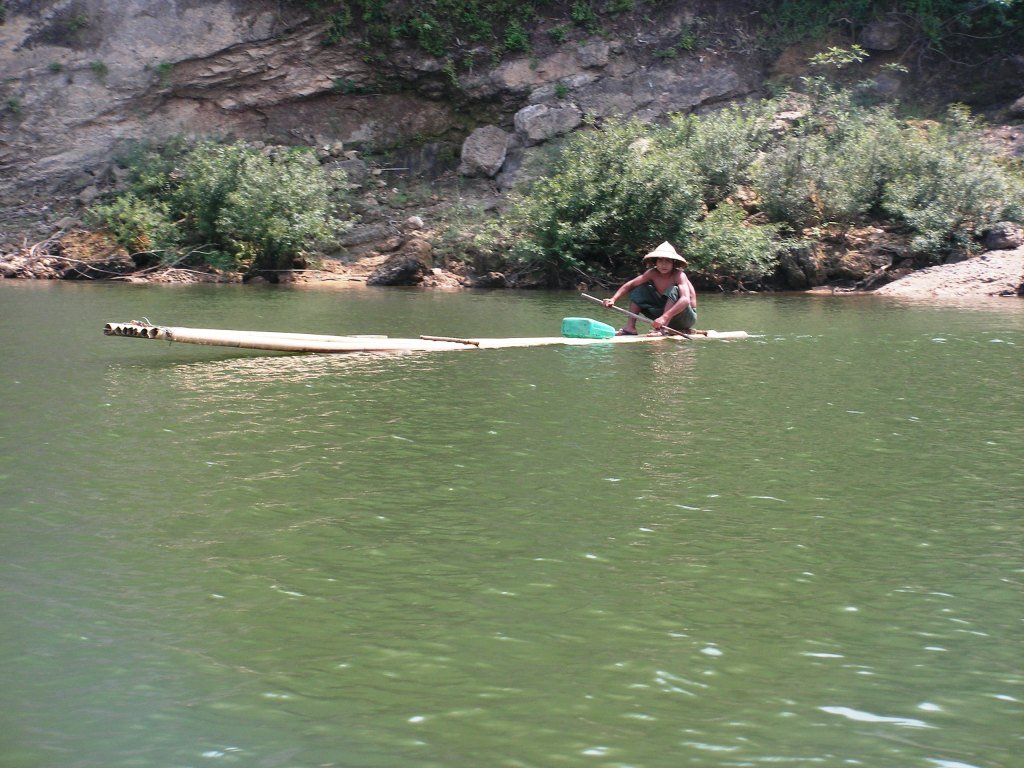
[993, 274]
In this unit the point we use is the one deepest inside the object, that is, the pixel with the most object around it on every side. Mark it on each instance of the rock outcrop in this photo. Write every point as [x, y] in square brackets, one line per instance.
[79, 78]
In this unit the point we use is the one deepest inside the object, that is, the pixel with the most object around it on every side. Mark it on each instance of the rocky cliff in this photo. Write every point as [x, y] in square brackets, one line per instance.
[81, 76]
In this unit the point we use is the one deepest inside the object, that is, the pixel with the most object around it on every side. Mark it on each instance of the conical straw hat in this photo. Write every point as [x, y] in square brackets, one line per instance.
[666, 251]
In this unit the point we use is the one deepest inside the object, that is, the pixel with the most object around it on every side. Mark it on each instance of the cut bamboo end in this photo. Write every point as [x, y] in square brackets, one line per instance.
[131, 330]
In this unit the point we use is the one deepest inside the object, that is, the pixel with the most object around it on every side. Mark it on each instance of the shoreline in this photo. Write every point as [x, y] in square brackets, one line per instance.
[991, 275]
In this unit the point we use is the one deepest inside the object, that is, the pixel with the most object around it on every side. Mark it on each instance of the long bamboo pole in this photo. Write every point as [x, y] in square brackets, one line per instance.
[272, 341]
[298, 342]
[647, 320]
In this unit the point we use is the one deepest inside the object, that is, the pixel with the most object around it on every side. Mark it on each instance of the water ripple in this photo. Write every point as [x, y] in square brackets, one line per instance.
[867, 717]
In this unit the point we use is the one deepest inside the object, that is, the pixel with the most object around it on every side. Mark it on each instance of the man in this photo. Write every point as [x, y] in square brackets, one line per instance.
[662, 292]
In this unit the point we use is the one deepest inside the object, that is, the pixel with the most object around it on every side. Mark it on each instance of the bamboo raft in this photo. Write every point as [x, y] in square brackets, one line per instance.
[306, 342]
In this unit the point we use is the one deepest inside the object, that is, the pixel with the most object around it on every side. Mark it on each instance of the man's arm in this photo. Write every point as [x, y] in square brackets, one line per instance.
[686, 290]
[625, 288]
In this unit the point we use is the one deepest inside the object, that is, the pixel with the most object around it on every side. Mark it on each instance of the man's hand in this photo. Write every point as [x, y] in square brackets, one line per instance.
[608, 303]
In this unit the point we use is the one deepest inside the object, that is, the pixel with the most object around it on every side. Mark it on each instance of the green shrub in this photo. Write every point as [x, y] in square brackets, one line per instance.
[583, 15]
[230, 204]
[784, 184]
[723, 145]
[951, 188]
[77, 22]
[787, 21]
[611, 195]
[935, 23]
[164, 70]
[559, 34]
[724, 244]
[516, 38]
[338, 25]
[810, 180]
[447, 28]
[208, 175]
[832, 167]
[100, 70]
[275, 208]
[687, 41]
[429, 33]
[142, 226]
[151, 167]
[619, 6]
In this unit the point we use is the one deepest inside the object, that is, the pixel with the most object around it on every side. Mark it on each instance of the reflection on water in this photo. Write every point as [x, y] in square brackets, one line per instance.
[285, 369]
[801, 548]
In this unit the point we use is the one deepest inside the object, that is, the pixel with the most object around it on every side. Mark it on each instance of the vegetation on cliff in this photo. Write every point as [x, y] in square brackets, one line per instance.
[230, 206]
[737, 187]
[734, 189]
[464, 31]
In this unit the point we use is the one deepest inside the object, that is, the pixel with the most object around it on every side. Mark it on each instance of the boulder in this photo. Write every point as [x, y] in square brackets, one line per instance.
[594, 53]
[651, 93]
[1004, 236]
[88, 195]
[881, 34]
[491, 280]
[887, 85]
[539, 122]
[484, 150]
[439, 278]
[409, 266]
[802, 267]
[520, 75]
[549, 92]
[8, 268]
[366, 234]
[355, 169]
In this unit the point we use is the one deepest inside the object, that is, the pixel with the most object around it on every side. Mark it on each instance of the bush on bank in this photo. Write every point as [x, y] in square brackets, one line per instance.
[948, 187]
[736, 188]
[733, 189]
[606, 192]
[229, 206]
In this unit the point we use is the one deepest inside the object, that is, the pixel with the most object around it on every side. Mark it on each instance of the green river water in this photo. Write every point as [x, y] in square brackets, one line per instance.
[801, 549]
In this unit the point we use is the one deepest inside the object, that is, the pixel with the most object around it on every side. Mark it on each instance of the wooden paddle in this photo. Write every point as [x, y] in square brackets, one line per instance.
[639, 317]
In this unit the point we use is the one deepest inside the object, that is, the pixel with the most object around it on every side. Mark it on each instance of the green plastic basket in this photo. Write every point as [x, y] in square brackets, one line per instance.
[585, 328]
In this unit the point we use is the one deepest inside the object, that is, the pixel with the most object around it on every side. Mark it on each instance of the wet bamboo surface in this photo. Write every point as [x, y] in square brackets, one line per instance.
[304, 342]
